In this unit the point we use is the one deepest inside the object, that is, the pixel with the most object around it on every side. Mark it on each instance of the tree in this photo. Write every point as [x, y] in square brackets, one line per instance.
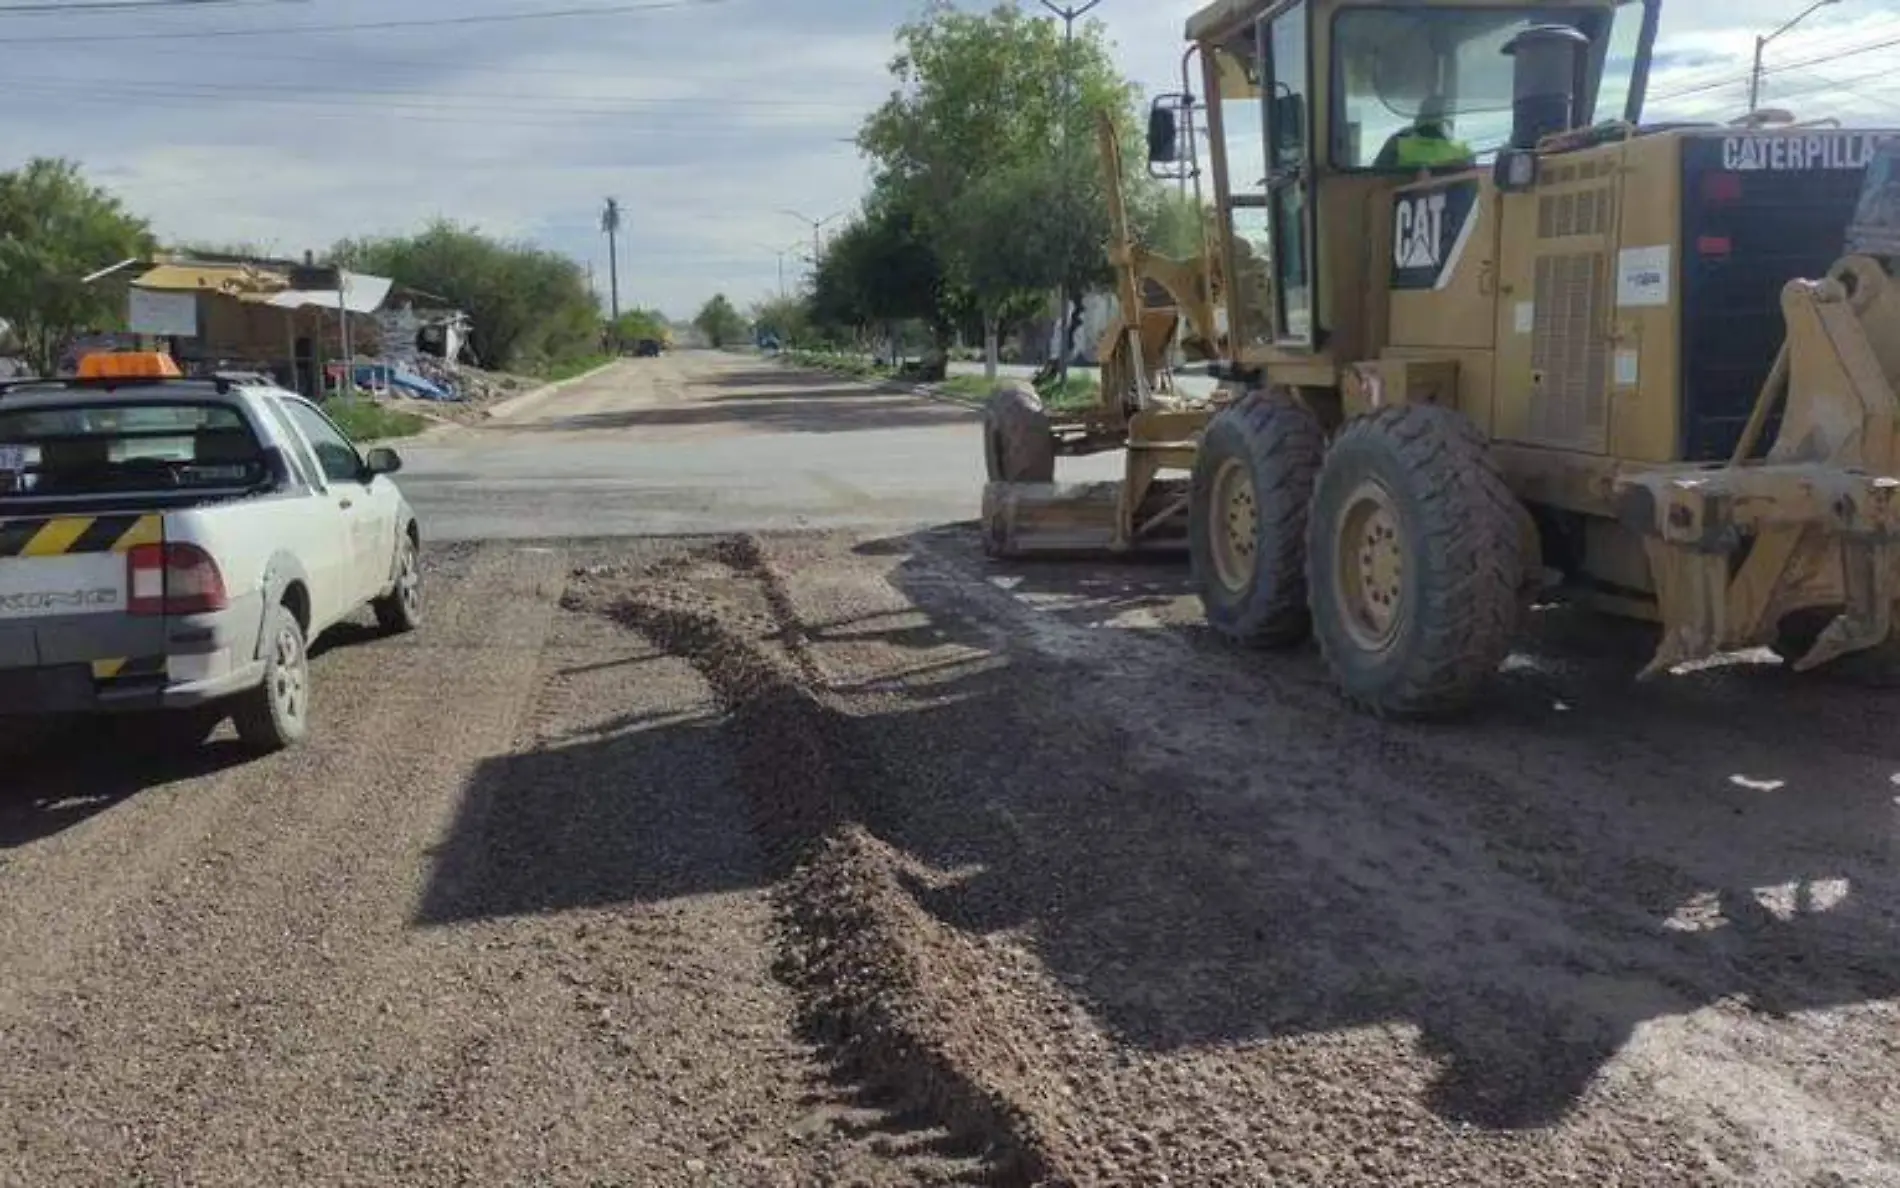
[787, 318]
[881, 269]
[637, 324]
[56, 229]
[530, 307]
[994, 111]
[720, 322]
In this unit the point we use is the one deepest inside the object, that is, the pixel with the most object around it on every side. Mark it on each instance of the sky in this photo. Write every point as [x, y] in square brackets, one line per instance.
[720, 125]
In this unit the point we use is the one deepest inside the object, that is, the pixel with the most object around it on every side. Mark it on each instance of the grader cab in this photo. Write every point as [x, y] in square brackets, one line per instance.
[1482, 334]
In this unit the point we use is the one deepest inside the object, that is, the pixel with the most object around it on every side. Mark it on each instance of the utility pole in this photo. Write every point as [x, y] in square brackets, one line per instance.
[610, 223]
[1069, 17]
[817, 247]
[1761, 43]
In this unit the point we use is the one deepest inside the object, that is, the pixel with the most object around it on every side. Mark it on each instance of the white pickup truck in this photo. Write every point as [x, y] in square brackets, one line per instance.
[174, 544]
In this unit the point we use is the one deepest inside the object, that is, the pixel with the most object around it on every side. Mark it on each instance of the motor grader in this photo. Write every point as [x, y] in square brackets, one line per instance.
[1483, 336]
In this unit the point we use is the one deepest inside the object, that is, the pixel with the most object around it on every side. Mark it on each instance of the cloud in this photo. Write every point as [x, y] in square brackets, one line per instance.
[706, 123]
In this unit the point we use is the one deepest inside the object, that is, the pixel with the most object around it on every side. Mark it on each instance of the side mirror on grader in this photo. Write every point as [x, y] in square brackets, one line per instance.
[1484, 338]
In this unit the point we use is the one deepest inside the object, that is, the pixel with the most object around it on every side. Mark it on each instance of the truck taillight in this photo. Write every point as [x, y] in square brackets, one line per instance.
[173, 579]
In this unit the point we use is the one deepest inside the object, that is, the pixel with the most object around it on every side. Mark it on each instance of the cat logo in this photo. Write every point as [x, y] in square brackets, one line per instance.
[1429, 231]
[1418, 232]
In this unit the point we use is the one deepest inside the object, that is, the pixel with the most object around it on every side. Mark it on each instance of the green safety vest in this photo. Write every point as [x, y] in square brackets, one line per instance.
[1418, 151]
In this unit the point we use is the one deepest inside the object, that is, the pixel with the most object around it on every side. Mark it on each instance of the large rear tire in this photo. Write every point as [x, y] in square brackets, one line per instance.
[1414, 562]
[1019, 446]
[1253, 483]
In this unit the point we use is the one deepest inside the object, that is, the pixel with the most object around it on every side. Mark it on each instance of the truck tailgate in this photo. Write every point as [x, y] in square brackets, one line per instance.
[63, 596]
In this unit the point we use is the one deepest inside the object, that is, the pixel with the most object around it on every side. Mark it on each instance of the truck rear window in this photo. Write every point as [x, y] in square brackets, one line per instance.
[105, 449]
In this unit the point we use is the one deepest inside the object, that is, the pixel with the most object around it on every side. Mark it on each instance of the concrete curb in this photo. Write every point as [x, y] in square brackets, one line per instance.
[516, 403]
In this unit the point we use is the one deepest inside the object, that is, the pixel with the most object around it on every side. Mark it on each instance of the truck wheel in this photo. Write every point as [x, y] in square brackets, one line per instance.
[1247, 509]
[1414, 565]
[1018, 444]
[400, 611]
[275, 715]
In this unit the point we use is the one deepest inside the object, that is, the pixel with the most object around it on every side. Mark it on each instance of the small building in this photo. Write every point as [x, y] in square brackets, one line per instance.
[295, 321]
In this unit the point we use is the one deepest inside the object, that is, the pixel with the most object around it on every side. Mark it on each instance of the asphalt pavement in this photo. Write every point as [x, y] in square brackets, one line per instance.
[704, 442]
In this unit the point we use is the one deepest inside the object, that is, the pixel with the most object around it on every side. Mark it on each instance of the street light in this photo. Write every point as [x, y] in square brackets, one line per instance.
[816, 226]
[1761, 43]
[781, 253]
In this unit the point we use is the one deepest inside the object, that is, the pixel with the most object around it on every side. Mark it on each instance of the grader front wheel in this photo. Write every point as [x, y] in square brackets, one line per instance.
[1253, 482]
[1413, 562]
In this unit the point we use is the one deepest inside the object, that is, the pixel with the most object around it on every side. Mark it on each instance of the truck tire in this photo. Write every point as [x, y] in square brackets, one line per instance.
[1247, 509]
[275, 715]
[400, 611]
[1414, 562]
[1018, 444]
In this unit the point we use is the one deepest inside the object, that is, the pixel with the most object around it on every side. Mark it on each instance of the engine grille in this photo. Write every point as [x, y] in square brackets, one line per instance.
[1569, 356]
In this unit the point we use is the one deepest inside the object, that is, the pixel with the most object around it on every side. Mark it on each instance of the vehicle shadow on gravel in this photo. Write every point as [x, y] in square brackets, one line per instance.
[639, 812]
[1525, 887]
[61, 775]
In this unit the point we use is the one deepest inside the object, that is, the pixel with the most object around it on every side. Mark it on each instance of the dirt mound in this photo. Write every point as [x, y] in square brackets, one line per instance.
[852, 943]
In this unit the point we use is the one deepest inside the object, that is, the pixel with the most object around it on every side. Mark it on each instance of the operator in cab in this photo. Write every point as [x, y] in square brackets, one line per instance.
[1427, 144]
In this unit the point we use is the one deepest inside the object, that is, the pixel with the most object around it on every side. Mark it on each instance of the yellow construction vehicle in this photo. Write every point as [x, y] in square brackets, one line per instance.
[1481, 333]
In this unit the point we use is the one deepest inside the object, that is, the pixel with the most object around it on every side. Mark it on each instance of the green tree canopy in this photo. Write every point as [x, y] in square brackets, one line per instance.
[530, 307]
[720, 322]
[636, 324]
[55, 229]
[788, 318]
[994, 118]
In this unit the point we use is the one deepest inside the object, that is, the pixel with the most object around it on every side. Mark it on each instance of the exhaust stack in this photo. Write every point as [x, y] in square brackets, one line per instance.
[1544, 83]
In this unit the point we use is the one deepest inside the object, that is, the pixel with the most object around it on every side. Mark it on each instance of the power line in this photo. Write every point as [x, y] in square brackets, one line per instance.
[369, 26]
[457, 100]
[1821, 41]
[82, 7]
[1783, 68]
[418, 113]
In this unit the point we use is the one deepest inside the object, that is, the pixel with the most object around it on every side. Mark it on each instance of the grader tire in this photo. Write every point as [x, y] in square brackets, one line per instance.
[1252, 486]
[1018, 444]
[1414, 562]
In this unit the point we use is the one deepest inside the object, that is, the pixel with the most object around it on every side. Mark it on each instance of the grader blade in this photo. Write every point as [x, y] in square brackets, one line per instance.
[1081, 520]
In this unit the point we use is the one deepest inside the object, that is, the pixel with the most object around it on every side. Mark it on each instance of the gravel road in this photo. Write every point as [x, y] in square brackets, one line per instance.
[829, 858]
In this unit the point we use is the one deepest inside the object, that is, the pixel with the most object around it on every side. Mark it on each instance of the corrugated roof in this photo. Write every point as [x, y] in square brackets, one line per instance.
[362, 293]
[234, 279]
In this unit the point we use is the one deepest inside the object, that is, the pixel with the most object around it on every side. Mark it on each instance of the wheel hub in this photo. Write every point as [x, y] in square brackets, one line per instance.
[1370, 570]
[1235, 525]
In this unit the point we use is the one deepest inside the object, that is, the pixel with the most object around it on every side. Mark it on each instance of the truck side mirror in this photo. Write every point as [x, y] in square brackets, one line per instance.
[1289, 130]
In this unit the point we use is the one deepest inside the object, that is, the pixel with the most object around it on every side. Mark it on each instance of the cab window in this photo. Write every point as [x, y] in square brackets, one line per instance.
[335, 455]
[1430, 88]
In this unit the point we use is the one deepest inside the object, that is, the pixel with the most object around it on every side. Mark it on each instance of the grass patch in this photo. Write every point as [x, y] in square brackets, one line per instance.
[1073, 395]
[1079, 393]
[567, 369]
[968, 387]
[855, 366]
[365, 420]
